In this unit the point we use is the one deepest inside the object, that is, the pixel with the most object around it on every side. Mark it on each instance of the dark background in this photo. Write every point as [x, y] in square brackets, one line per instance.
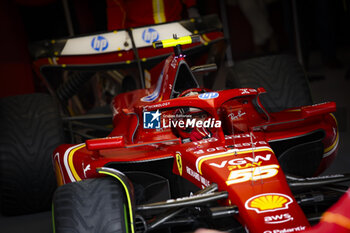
[324, 26]
[324, 36]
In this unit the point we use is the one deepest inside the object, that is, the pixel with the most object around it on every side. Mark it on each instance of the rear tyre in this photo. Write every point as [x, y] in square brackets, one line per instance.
[30, 130]
[93, 205]
[282, 77]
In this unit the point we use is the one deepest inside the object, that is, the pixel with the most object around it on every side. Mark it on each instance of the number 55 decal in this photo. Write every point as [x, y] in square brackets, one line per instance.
[256, 173]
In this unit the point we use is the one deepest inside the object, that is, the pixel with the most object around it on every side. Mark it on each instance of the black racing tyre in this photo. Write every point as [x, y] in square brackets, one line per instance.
[92, 205]
[30, 130]
[282, 77]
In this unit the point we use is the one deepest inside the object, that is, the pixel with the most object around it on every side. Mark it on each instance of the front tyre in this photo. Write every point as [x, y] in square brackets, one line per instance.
[94, 205]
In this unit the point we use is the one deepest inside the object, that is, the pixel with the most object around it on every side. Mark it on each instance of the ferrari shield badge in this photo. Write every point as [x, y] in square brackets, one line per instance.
[179, 162]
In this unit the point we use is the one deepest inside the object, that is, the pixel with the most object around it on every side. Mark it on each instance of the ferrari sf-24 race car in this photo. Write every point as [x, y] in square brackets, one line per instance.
[180, 157]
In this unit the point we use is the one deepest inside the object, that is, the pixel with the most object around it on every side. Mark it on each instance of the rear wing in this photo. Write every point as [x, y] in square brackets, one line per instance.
[119, 43]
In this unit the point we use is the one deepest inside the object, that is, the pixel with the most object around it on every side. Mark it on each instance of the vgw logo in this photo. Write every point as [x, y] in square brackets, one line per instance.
[99, 43]
[150, 35]
[151, 120]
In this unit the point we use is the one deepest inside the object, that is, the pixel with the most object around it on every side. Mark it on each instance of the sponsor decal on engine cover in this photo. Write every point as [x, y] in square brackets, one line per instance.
[268, 202]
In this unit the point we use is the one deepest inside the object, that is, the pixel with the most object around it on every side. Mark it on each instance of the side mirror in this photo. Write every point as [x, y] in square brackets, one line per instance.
[105, 143]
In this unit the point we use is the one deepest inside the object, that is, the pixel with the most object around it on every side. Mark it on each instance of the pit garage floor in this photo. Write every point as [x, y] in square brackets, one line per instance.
[326, 85]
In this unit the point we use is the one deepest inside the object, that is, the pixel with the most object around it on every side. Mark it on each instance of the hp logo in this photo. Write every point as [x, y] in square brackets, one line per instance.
[150, 35]
[208, 95]
[99, 43]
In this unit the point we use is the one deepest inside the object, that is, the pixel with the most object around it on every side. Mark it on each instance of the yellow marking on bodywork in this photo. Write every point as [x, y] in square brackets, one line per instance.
[58, 174]
[294, 110]
[336, 139]
[127, 196]
[338, 219]
[70, 162]
[205, 38]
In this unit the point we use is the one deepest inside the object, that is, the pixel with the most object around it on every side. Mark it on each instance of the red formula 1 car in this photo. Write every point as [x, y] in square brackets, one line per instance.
[179, 156]
[246, 163]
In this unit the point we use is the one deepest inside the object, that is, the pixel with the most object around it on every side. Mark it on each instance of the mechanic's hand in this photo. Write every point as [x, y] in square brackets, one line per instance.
[203, 230]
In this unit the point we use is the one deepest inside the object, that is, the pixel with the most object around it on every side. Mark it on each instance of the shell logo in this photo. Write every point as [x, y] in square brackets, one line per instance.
[268, 202]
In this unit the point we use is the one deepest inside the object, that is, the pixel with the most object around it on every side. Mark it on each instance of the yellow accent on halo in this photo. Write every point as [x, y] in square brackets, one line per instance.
[128, 62]
[64, 65]
[268, 202]
[336, 139]
[158, 11]
[335, 218]
[195, 32]
[127, 196]
[70, 162]
[229, 154]
[144, 59]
